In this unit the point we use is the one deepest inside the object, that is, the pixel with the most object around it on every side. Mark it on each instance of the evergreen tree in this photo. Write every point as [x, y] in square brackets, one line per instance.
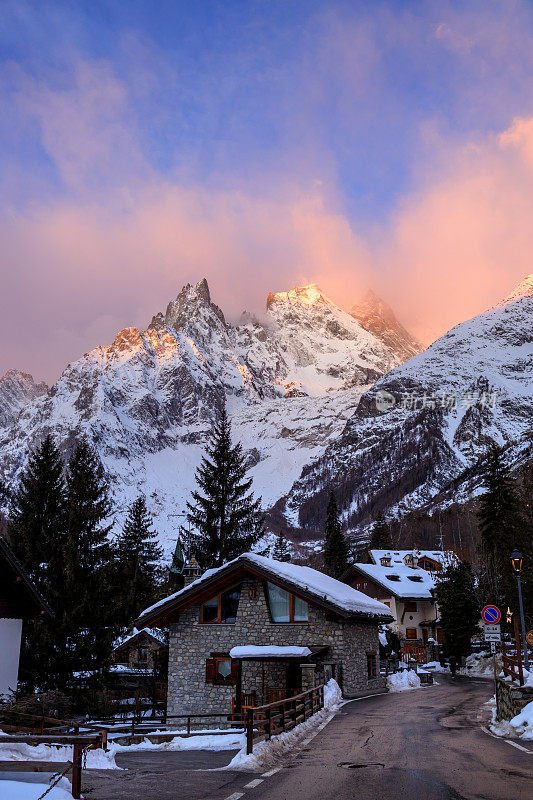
[37, 533]
[380, 538]
[459, 608]
[224, 512]
[138, 558]
[503, 528]
[282, 551]
[335, 545]
[91, 605]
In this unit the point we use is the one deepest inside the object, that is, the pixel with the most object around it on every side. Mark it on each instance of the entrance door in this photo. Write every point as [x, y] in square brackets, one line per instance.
[294, 679]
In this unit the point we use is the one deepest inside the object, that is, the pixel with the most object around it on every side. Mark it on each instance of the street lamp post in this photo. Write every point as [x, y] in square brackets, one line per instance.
[516, 561]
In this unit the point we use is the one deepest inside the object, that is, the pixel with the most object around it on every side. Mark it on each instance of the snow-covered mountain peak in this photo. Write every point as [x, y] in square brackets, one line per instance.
[17, 389]
[191, 304]
[304, 295]
[376, 316]
[522, 289]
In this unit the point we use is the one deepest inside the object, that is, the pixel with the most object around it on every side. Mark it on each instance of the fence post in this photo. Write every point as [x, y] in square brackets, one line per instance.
[76, 771]
[249, 731]
[188, 725]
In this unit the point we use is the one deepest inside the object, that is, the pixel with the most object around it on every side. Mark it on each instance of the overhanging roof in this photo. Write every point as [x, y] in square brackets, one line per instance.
[305, 582]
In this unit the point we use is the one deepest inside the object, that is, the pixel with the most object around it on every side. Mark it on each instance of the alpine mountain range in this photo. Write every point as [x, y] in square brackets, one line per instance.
[320, 398]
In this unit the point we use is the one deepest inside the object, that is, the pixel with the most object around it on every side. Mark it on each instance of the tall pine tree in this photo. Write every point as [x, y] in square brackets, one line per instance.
[282, 551]
[224, 512]
[380, 538]
[91, 613]
[37, 532]
[336, 555]
[138, 560]
[503, 528]
[459, 608]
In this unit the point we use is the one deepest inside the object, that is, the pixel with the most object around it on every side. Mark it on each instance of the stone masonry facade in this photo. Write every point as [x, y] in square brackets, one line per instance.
[192, 643]
[511, 698]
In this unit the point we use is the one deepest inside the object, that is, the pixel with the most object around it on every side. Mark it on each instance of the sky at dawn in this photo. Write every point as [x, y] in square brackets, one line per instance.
[145, 144]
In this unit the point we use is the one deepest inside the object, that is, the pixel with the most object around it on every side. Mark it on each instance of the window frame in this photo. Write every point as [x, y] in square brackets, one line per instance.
[411, 638]
[218, 620]
[371, 666]
[410, 607]
[292, 595]
[212, 665]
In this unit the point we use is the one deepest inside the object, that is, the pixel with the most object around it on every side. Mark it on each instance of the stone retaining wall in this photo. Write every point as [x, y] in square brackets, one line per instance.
[511, 698]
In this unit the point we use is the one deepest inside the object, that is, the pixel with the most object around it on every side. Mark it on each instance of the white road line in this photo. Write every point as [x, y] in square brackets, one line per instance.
[507, 741]
[271, 772]
[254, 783]
[235, 796]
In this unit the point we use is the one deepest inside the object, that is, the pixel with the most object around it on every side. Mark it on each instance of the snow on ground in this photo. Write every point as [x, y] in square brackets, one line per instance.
[403, 681]
[22, 790]
[216, 741]
[269, 753]
[522, 724]
[96, 759]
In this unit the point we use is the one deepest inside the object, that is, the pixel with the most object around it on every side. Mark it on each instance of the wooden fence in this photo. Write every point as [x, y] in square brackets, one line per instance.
[273, 718]
[512, 657]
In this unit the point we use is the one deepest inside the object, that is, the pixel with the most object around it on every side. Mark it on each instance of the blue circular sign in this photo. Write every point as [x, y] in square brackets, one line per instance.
[491, 615]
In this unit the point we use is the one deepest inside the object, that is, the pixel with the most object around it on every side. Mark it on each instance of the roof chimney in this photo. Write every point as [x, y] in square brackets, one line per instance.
[191, 571]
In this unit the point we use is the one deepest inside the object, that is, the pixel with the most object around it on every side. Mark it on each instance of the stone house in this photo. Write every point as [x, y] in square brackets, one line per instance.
[256, 630]
[141, 649]
[19, 600]
[404, 581]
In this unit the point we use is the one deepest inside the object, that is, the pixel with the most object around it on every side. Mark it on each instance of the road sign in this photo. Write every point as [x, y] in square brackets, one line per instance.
[491, 636]
[529, 637]
[491, 615]
[493, 647]
[491, 628]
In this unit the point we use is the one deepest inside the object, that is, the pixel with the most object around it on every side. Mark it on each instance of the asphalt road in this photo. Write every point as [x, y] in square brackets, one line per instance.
[421, 745]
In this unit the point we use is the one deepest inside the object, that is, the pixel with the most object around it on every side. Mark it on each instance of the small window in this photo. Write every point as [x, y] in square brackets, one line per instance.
[385, 561]
[221, 671]
[393, 577]
[410, 606]
[223, 607]
[415, 578]
[386, 603]
[285, 606]
[410, 633]
[371, 665]
[142, 654]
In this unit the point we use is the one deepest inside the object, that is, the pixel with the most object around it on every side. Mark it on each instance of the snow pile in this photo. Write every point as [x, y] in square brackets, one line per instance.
[96, 759]
[479, 665]
[403, 681]
[213, 742]
[20, 790]
[522, 724]
[269, 651]
[269, 753]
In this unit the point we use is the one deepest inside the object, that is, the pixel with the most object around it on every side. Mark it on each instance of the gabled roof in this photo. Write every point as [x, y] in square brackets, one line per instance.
[130, 638]
[400, 580]
[15, 581]
[308, 583]
[442, 557]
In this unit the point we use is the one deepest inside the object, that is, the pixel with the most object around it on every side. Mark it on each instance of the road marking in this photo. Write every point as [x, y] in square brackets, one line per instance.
[507, 741]
[271, 772]
[254, 783]
[235, 796]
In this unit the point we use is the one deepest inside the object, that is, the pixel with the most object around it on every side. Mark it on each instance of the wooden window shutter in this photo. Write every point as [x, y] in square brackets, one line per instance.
[234, 672]
[210, 670]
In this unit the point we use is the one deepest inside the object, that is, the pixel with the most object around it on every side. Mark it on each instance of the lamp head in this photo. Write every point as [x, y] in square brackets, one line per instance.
[516, 561]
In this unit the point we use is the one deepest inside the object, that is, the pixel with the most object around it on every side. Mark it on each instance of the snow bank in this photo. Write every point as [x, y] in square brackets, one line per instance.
[269, 753]
[20, 790]
[214, 742]
[403, 681]
[522, 724]
[96, 759]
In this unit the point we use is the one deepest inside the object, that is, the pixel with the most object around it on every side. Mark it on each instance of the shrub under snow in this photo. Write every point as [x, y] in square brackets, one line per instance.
[403, 681]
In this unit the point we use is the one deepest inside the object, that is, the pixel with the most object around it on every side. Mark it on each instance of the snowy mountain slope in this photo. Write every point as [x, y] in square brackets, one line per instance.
[428, 421]
[147, 401]
[17, 390]
[378, 318]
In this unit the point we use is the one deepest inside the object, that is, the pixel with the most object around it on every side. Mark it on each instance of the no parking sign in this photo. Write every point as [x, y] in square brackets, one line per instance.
[491, 615]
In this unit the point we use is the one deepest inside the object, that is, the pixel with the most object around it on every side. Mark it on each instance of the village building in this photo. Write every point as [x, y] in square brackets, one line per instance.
[19, 600]
[404, 581]
[257, 630]
[141, 649]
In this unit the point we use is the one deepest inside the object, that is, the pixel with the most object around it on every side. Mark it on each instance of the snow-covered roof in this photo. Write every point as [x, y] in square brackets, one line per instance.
[443, 557]
[269, 651]
[402, 581]
[155, 633]
[311, 582]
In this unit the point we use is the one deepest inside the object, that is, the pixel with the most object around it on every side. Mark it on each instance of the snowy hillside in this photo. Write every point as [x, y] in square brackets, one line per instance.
[17, 390]
[425, 424]
[147, 401]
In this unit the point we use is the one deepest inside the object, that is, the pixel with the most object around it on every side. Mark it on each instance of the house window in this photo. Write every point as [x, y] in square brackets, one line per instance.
[410, 633]
[142, 654]
[285, 606]
[371, 665]
[410, 606]
[385, 561]
[361, 585]
[221, 671]
[386, 603]
[223, 607]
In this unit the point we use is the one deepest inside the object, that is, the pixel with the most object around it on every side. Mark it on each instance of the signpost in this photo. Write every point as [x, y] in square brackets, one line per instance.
[491, 629]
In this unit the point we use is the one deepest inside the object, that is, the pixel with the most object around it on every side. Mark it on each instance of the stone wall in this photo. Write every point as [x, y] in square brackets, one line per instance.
[192, 642]
[511, 698]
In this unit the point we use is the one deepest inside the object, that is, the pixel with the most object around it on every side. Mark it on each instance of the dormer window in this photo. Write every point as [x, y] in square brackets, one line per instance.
[385, 561]
[415, 578]
[393, 577]
[222, 608]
